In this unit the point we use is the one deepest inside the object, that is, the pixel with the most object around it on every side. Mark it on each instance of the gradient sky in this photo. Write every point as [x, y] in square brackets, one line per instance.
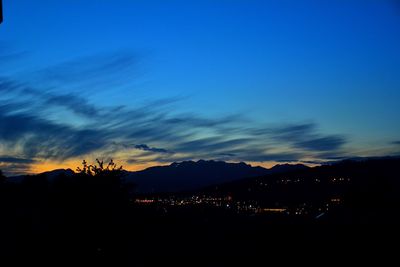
[152, 82]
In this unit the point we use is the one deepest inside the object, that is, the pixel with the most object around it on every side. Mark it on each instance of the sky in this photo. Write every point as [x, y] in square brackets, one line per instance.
[152, 82]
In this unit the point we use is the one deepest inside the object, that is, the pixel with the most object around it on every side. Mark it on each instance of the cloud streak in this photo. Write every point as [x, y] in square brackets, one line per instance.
[7, 159]
[92, 73]
[325, 143]
[145, 147]
[29, 128]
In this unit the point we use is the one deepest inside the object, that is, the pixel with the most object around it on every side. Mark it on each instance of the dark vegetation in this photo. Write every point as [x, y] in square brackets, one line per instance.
[93, 214]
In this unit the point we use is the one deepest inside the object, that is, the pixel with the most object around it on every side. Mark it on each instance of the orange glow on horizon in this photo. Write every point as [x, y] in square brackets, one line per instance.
[44, 166]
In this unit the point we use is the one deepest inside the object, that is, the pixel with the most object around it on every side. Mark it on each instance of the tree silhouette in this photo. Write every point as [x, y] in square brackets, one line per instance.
[2, 177]
[99, 169]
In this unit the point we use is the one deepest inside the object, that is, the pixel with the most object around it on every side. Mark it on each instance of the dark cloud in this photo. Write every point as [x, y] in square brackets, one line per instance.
[145, 147]
[12, 166]
[395, 143]
[303, 136]
[278, 157]
[13, 169]
[9, 159]
[7, 85]
[211, 144]
[47, 139]
[14, 127]
[24, 96]
[294, 132]
[74, 103]
[318, 162]
[196, 121]
[326, 143]
[333, 156]
[227, 155]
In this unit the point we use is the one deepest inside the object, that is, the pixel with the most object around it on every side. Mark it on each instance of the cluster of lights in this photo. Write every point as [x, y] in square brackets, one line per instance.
[339, 180]
[245, 207]
[290, 181]
[286, 181]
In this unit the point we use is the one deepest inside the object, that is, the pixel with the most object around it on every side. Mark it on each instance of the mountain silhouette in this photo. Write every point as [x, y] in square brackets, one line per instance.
[48, 175]
[368, 189]
[188, 175]
[182, 176]
[280, 168]
[195, 175]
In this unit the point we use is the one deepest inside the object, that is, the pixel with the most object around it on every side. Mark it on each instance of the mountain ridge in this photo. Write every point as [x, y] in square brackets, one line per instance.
[191, 175]
[188, 175]
[181, 176]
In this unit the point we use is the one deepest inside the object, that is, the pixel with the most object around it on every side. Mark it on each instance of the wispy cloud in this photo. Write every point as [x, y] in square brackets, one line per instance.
[92, 73]
[13, 165]
[325, 143]
[46, 124]
[76, 104]
[8, 54]
[303, 136]
[145, 147]
[7, 159]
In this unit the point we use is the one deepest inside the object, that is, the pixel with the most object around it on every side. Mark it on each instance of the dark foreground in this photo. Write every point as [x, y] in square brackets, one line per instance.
[197, 240]
[97, 218]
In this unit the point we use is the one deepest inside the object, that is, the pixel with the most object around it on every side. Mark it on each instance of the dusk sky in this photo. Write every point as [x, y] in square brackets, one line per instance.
[153, 82]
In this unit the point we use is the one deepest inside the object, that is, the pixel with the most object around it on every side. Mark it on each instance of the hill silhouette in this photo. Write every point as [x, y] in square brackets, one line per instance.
[188, 175]
[49, 175]
[363, 189]
[95, 213]
[181, 176]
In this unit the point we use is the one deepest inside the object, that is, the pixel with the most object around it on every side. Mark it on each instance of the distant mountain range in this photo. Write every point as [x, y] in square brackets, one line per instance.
[355, 190]
[186, 175]
[192, 175]
[50, 175]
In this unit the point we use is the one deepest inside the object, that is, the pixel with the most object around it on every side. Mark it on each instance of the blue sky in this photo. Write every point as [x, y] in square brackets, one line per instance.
[318, 79]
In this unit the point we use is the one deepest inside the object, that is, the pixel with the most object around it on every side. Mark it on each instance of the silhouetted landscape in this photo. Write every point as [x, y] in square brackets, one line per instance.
[98, 211]
[204, 133]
